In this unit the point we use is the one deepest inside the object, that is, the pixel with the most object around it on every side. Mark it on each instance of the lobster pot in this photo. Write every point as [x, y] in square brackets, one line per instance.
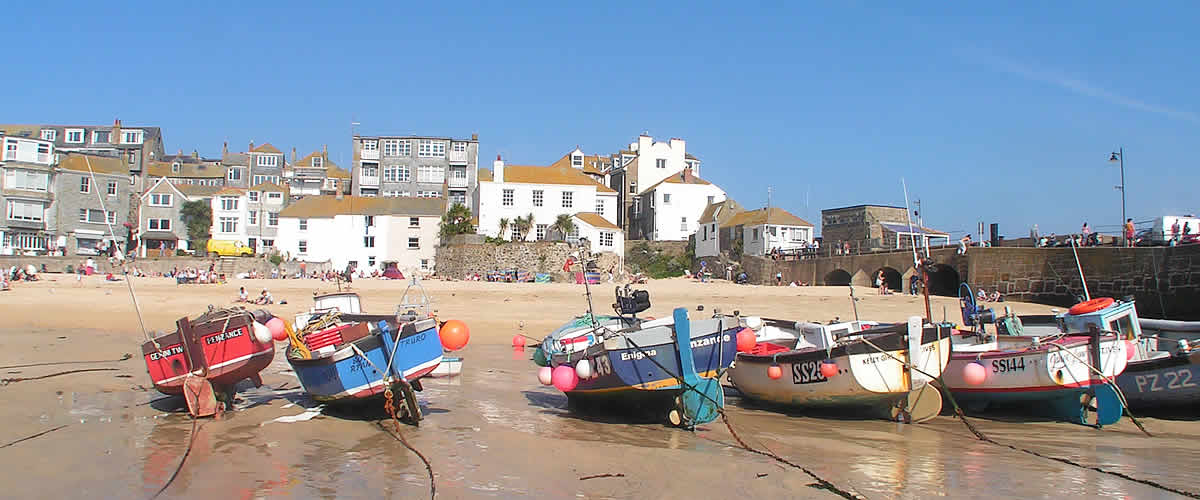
[336, 336]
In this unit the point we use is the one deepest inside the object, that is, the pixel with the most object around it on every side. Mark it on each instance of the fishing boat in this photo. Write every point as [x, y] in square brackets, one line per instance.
[1065, 375]
[666, 367]
[857, 367]
[205, 357]
[354, 357]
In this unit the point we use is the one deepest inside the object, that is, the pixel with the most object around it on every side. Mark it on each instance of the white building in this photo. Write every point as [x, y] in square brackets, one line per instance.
[602, 235]
[767, 229]
[545, 192]
[710, 239]
[646, 164]
[363, 231]
[27, 180]
[229, 215]
[670, 210]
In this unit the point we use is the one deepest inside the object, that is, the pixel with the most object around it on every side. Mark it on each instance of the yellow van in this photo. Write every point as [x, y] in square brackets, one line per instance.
[225, 248]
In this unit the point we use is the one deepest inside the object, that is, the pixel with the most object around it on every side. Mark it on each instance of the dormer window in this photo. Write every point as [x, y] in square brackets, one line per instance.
[131, 137]
[268, 161]
[318, 162]
[577, 161]
[175, 167]
[49, 134]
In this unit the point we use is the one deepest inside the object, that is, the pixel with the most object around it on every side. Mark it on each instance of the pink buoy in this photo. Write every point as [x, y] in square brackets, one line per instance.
[1130, 350]
[518, 341]
[774, 372]
[564, 378]
[278, 329]
[829, 368]
[546, 375]
[746, 340]
[974, 373]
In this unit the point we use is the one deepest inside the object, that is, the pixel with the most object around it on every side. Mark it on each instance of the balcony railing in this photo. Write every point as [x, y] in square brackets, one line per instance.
[458, 157]
[368, 180]
[458, 182]
[369, 154]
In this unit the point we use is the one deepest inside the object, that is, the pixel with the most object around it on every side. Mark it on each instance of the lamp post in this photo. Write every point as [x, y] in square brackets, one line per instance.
[1119, 157]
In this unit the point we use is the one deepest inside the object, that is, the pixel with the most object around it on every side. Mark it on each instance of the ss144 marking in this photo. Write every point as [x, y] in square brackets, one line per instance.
[1178, 379]
[808, 372]
[1005, 365]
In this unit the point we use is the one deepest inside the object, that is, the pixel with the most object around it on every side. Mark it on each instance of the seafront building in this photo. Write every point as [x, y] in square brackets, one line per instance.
[161, 229]
[28, 168]
[395, 166]
[875, 227]
[91, 197]
[315, 174]
[670, 209]
[641, 167]
[136, 145]
[512, 191]
[362, 232]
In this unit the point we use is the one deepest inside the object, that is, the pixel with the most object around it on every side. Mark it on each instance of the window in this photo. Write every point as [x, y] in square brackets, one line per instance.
[252, 196]
[132, 157]
[229, 203]
[396, 174]
[424, 264]
[460, 146]
[661, 163]
[252, 218]
[25, 241]
[414, 243]
[234, 173]
[85, 185]
[606, 238]
[268, 243]
[683, 224]
[396, 147]
[302, 246]
[10, 150]
[268, 161]
[573, 236]
[131, 137]
[541, 232]
[228, 224]
[49, 134]
[110, 217]
[75, 135]
[368, 242]
[371, 260]
[431, 149]
[94, 216]
[396, 193]
[599, 206]
[710, 200]
[428, 194]
[756, 234]
[159, 224]
[318, 162]
[431, 174]
[537, 197]
[414, 222]
[369, 220]
[26, 210]
[26, 180]
[666, 198]
[576, 161]
[458, 197]
[568, 199]
[370, 170]
[43, 153]
[704, 235]
[514, 234]
[370, 145]
[507, 198]
[637, 206]
[259, 179]
[304, 224]
[111, 188]
[101, 136]
[632, 188]
[274, 197]
[272, 219]
[160, 200]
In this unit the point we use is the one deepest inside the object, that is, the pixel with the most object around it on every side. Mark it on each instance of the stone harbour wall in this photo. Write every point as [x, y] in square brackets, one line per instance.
[463, 259]
[151, 265]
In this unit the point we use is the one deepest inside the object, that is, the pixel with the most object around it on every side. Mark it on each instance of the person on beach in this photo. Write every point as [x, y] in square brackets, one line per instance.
[880, 283]
[1175, 233]
[1129, 232]
[1086, 233]
[963, 243]
[265, 298]
[778, 279]
[242, 295]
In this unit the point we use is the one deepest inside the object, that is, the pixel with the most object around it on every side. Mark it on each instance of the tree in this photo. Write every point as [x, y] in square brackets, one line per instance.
[523, 225]
[503, 227]
[455, 221]
[563, 225]
[197, 217]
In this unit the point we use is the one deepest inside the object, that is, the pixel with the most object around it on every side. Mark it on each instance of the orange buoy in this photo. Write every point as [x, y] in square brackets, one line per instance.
[454, 334]
[829, 368]
[746, 340]
[774, 372]
[1093, 305]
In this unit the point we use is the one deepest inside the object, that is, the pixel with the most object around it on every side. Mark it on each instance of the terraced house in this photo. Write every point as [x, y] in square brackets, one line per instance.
[161, 229]
[188, 169]
[257, 165]
[136, 145]
[416, 167]
[28, 168]
[315, 174]
[91, 198]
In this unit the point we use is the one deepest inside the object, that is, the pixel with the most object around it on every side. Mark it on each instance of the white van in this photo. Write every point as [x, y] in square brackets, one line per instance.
[1161, 233]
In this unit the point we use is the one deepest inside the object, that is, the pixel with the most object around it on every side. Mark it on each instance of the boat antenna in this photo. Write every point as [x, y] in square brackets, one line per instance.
[919, 265]
[587, 289]
[1086, 295]
[908, 216]
[124, 269]
[853, 300]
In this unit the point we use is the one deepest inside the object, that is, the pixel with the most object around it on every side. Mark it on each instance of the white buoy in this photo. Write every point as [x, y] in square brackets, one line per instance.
[262, 334]
[584, 369]
[754, 322]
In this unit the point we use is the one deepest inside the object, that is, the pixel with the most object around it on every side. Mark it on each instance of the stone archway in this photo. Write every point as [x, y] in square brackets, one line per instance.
[837, 277]
[891, 278]
[943, 280]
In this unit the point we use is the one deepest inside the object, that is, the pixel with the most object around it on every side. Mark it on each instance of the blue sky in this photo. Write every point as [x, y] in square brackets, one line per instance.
[1002, 112]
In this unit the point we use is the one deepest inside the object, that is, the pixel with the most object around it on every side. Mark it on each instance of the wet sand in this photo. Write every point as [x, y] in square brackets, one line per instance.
[494, 431]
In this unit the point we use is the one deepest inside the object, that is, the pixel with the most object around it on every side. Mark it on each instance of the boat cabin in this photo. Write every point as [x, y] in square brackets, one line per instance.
[801, 335]
[347, 302]
[1120, 317]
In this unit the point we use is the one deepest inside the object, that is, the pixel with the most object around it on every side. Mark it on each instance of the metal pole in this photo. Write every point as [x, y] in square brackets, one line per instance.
[1124, 237]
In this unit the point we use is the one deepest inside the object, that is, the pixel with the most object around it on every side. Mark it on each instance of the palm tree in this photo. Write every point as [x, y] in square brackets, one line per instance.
[563, 225]
[523, 225]
[503, 227]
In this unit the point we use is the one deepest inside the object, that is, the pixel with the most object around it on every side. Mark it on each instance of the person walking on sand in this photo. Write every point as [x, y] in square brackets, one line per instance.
[880, 283]
[1129, 232]
[778, 279]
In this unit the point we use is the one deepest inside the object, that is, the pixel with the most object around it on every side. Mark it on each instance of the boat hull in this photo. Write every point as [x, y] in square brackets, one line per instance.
[868, 383]
[1163, 384]
[345, 376]
[229, 350]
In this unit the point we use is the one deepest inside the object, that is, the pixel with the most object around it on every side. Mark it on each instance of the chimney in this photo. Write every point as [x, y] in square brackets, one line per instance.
[498, 170]
[475, 137]
[180, 153]
[251, 147]
[116, 133]
[293, 155]
[324, 152]
[224, 148]
[195, 154]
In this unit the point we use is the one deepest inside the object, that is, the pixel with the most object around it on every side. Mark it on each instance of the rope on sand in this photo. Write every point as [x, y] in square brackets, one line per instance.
[188, 451]
[27, 438]
[48, 363]
[7, 381]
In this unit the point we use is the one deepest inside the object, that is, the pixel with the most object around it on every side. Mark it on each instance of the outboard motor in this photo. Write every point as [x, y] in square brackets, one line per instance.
[631, 301]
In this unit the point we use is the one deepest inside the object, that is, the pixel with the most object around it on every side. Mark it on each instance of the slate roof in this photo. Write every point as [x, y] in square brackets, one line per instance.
[595, 220]
[773, 216]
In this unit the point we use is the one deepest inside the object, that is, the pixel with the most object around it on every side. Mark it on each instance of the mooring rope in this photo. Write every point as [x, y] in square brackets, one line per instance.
[179, 467]
[7, 381]
[27, 438]
[49, 363]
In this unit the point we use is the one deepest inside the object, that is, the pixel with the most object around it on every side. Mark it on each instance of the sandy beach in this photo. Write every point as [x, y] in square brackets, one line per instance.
[494, 431]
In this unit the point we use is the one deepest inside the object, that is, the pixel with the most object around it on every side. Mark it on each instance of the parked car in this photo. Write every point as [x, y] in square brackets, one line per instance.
[228, 248]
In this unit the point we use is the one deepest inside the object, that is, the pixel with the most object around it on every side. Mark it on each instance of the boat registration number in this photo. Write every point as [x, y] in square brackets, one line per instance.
[601, 366]
[223, 336]
[808, 372]
[1006, 365]
[1177, 379]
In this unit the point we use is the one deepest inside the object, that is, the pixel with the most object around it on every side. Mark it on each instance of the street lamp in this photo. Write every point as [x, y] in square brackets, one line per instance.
[1119, 157]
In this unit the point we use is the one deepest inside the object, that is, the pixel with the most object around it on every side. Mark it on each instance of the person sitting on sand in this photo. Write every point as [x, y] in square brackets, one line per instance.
[242, 295]
[264, 298]
[982, 296]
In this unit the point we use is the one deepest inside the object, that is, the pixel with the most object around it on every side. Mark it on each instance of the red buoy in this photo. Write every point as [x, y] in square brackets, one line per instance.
[454, 334]
[746, 340]
[518, 342]
[829, 368]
